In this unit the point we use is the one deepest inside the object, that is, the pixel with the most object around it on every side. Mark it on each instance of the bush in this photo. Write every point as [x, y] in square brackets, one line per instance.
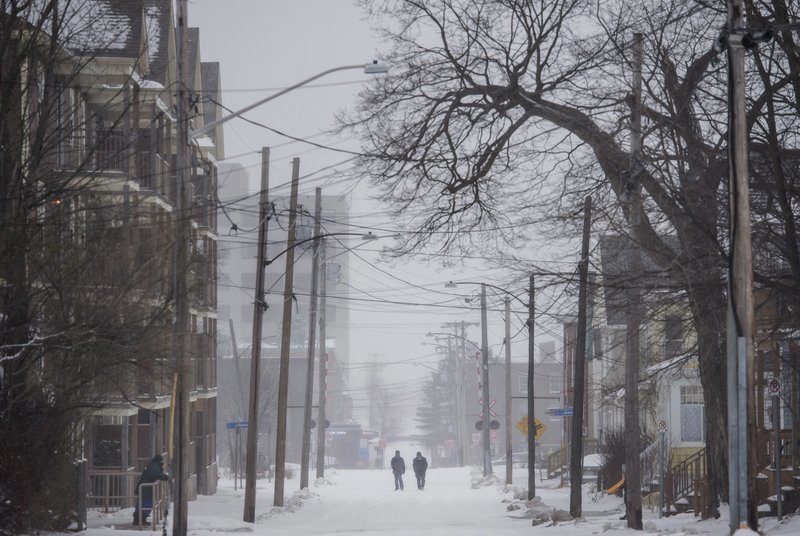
[612, 451]
[38, 482]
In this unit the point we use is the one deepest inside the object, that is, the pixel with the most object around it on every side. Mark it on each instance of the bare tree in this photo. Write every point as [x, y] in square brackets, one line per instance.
[84, 293]
[502, 114]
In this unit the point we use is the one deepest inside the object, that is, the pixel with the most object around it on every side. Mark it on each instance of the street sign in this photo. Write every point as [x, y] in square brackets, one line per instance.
[774, 387]
[476, 437]
[522, 426]
[662, 425]
[232, 425]
[561, 412]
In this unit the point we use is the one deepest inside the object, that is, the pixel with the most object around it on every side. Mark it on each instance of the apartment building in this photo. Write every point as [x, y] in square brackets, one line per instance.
[114, 163]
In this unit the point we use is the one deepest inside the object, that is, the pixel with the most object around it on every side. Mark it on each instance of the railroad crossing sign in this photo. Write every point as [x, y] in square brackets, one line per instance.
[774, 387]
[522, 426]
[491, 411]
[662, 425]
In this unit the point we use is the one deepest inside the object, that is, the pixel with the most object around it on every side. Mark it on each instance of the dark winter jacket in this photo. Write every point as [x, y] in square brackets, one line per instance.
[398, 465]
[420, 464]
[152, 473]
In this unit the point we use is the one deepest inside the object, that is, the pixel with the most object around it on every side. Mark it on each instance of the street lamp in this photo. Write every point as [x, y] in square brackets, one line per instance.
[368, 68]
[306, 445]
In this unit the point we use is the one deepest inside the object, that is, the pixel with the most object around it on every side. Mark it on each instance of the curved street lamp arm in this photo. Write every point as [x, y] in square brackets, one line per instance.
[434, 333]
[206, 128]
[493, 287]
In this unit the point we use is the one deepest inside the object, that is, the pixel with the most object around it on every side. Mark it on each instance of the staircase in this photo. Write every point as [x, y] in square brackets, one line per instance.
[558, 460]
[686, 486]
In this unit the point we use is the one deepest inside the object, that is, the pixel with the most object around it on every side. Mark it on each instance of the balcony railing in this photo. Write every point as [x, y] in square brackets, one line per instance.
[111, 490]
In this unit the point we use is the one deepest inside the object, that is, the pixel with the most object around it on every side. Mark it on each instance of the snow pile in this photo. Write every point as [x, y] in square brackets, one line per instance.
[477, 480]
[291, 505]
[324, 481]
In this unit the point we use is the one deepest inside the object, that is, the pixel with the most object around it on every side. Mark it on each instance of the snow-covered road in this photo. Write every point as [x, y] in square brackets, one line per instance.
[365, 503]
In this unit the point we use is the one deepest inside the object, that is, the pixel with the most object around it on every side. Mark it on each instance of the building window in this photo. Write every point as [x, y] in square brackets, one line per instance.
[673, 336]
[555, 385]
[692, 414]
[523, 385]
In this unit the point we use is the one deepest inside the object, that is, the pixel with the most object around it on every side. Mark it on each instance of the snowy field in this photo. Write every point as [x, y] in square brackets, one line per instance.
[365, 503]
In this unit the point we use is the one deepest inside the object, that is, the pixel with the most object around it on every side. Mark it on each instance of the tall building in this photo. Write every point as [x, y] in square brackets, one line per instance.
[238, 252]
[108, 102]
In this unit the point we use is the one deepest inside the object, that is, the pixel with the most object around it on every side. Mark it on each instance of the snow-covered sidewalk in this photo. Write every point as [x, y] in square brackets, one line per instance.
[365, 503]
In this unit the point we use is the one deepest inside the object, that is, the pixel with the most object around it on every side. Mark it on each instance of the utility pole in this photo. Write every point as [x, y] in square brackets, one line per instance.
[633, 503]
[323, 367]
[531, 397]
[312, 324]
[741, 365]
[182, 232]
[579, 387]
[259, 306]
[286, 341]
[462, 447]
[487, 452]
[509, 450]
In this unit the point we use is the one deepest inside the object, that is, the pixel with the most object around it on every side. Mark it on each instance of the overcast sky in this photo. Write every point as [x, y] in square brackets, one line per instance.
[264, 45]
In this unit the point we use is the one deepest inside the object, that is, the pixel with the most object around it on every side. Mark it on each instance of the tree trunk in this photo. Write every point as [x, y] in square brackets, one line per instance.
[707, 302]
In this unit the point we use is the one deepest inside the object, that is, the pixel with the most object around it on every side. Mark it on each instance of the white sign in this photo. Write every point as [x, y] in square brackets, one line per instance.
[774, 386]
[476, 437]
[662, 425]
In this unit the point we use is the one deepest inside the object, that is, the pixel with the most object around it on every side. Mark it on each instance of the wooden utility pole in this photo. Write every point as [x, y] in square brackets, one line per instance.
[579, 387]
[462, 421]
[259, 306]
[323, 367]
[312, 324]
[182, 239]
[286, 341]
[531, 397]
[741, 365]
[509, 450]
[487, 452]
[633, 504]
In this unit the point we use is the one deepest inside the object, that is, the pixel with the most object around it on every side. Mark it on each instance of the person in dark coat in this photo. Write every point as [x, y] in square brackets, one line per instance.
[398, 469]
[152, 473]
[420, 465]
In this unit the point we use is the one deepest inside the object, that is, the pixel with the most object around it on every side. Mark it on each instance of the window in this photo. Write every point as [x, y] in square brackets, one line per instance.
[555, 384]
[692, 414]
[673, 336]
[523, 384]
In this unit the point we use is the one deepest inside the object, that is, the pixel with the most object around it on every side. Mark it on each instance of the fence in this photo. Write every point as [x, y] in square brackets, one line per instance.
[111, 490]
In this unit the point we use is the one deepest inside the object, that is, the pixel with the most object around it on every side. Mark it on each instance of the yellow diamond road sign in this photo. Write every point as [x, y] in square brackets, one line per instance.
[522, 426]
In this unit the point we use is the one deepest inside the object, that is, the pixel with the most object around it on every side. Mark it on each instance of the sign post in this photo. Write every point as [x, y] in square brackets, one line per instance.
[775, 394]
[662, 427]
[237, 426]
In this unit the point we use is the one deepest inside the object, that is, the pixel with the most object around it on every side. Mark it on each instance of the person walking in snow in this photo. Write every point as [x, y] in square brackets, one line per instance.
[398, 469]
[152, 473]
[420, 465]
